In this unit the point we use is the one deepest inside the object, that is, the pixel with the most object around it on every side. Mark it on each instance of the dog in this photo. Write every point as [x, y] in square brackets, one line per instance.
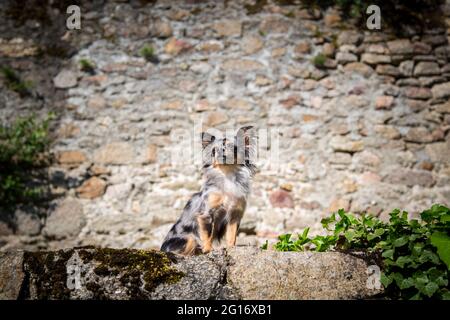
[216, 211]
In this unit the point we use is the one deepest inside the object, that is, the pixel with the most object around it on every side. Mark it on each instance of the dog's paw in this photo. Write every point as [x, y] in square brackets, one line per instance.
[206, 249]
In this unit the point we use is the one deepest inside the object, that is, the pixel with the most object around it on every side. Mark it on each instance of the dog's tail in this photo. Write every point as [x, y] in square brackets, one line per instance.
[186, 245]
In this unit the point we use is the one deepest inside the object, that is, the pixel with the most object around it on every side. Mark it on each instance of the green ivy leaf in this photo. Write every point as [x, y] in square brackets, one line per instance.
[401, 261]
[327, 221]
[305, 233]
[416, 297]
[285, 237]
[265, 245]
[398, 278]
[377, 233]
[442, 242]
[388, 254]
[420, 281]
[445, 295]
[438, 276]
[385, 279]
[428, 255]
[430, 289]
[349, 235]
[406, 283]
[434, 212]
[399, 242]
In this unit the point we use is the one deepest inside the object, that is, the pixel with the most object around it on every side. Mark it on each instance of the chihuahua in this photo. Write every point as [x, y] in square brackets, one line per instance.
[216, 211]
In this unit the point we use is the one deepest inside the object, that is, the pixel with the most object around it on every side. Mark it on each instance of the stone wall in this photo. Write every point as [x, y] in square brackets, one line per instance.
[123, 274]
[365, 129]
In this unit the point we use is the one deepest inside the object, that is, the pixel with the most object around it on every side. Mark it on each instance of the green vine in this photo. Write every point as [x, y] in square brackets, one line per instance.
[415, 253]
[23, 151]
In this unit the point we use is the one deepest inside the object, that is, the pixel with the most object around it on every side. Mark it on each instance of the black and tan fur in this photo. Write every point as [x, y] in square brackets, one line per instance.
[216, 211]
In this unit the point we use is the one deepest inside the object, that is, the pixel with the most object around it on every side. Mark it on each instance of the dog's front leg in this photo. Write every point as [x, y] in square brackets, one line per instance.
[206, 220]
[206, 227]
[231, 233]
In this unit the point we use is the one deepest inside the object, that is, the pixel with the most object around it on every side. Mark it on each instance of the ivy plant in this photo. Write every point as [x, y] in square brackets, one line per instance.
[23, 149]
[415, 253]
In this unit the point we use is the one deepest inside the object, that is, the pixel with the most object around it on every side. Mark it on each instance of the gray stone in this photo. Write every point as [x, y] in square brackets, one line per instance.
[28, 221]
[400, 46]
[66, 221]
[441, 91]
[5, 228]
[411, 178]
[418, 135]
[115, 153]
[340, 158]
[228, 28]
[274, 25]
[251, 44]
[162, 29]
[417, 93]
[416, 105]
[242, 65]
[360, 68]
[11, 274]
[65, 79]
[345, 57]
[443, 107]
[203, 279]
[430, 81]
[387, 69]
[406, 68]
[408, 82]
[271, 275]
[344, 144]
[434, 39]
[421, 48]
[349, 37]
[425, 68]
[439, 152]
[374, 59]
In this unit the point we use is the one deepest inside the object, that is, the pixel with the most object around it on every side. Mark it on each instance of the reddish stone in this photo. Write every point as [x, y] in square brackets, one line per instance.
[281, 199]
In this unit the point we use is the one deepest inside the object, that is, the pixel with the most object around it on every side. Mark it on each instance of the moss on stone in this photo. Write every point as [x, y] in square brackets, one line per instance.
[255, 8]
[132, 266]
[48, 273]
[97, 290]
[139, 271]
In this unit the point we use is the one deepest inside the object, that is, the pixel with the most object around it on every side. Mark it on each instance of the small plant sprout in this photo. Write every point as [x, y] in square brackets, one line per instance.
[87, 66]
[319, 60]
[148, 53]
[14, 82]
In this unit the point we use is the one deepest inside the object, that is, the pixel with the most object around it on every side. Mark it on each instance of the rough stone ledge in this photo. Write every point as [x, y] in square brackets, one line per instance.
[239, 273]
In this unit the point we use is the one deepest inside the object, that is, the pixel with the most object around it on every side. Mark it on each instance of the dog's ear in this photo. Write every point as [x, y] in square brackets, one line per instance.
[207, 139]
[246, 140]
[245, 135]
